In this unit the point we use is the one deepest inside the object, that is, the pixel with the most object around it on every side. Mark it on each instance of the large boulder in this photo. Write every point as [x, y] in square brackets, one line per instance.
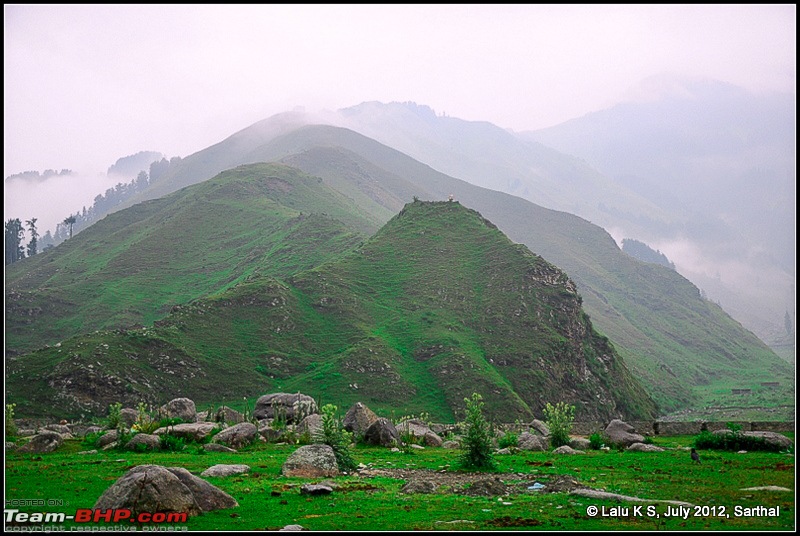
[622, 433]
[311, 461]
[60, 428]
[226, 415]
[382, 433]
[291, 407]
[208, 497]
[192, 431]
[528, 441]
[432, 439]
[150, 442]
[149, 488]
[107, 438]
[180, 408]
[358, 419]
[311, 425]
[540, 428]
[128, 416]
[238, 435]
[45, 441]
[644, 447]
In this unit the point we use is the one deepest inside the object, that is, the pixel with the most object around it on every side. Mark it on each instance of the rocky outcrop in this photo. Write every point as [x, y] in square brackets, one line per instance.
[180, 408]
[291, 407]
[149, 488]
[358, 419]
[237, 436]
[194, 431]
[382, 433]
[45, 441]
[621, 433]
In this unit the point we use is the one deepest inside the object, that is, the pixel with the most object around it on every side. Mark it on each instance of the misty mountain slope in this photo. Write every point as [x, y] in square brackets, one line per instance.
[723, 161]
[435, 306]
[133, 265]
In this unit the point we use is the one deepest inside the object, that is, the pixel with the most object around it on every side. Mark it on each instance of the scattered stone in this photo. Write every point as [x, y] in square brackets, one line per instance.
[93, 451]
[382, 433]
[418, 447]
[193, 431]
[432, 439]
[766, 488]
[11, 446]
[596, 494]
[149, 488]
[419, 486]
[221, 470]
[151, 442]
[451, 445]
[293, 527]
[358, 419]
[208, 497]
[238, 435]
[580, 443]
[315, 489]
[566, 449]
[540, 428]
[180, 408]
[488, 487]
[45, 441]
[644, 447]
[311, 461]
[292, 407]
[622, 433]
[504, 451]
[215, 447]
[742, 452]
[59, 428]
[394, 449]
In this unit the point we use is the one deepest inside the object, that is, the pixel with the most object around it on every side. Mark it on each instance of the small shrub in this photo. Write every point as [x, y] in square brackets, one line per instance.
[596, 441]
[559, 419]
[11, 426]
[509, 439]
[333, 435]
[648, 440]
[90, 440]
[144, 422]
[114, 420]
[477, 442]
[172, 443]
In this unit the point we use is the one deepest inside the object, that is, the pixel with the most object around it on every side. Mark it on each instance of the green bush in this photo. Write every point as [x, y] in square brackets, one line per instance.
[477, 442]
[559, 419]
[333, 435]
[172, 443]
[597, 441]
[733, 441]
[115, 415]
[509, 439]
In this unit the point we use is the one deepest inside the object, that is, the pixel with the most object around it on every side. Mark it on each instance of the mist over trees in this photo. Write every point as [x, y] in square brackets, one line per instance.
[643, 252]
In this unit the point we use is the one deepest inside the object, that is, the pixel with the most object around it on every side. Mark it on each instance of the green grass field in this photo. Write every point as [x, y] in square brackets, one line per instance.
[269, 501]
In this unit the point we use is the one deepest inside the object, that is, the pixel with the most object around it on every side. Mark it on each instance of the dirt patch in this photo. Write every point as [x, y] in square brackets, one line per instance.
[508, 521]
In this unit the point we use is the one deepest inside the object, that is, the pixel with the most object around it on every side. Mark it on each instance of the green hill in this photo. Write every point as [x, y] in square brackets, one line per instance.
[135, 264]
[435, 306]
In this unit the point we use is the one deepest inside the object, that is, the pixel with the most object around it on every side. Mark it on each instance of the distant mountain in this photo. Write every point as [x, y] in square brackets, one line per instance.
[684, 350]
[722, 160]
[438, 304]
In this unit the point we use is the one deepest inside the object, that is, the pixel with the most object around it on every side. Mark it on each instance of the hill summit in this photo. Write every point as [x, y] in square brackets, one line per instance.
[438, 304]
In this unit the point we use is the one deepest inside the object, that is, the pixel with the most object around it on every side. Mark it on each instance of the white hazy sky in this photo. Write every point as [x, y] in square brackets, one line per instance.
[85, 85]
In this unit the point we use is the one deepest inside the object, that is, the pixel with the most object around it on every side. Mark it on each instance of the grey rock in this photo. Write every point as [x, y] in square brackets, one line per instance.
[128, 416]
[580, 443]
[59, 428]
[358, 419]
[566, 449]
[151, 442]
[772, 438]
[227, 415]
[208, 497]
[528, 441]
[180, 408]
[294, 407]
[149, 488]
[540, 428]
[315, 489]
[451, 445]
[487, 487]
[382, 433]
[621, 433]
[432, 439]
[419, 486]
[311, 425]
[311, 461]
[107, 438]
[45, 441]
[644, 447]
[238, 435]
[215, 447]
[293, 528]
[193, 431]
[222, 470]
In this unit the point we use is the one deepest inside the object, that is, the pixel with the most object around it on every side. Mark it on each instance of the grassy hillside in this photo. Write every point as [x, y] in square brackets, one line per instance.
[437, 305]
[134, 265]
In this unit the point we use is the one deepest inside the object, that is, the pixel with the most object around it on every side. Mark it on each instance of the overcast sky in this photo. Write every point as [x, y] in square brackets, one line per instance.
[85, 85]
